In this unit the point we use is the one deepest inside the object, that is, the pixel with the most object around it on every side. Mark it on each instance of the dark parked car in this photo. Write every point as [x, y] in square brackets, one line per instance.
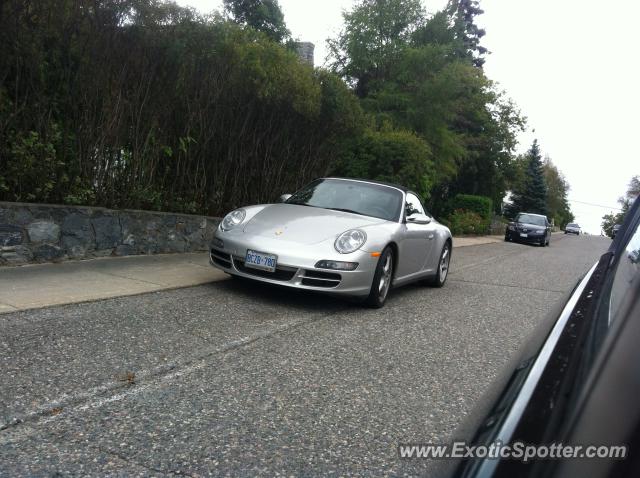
[530, 228]
[577, 382]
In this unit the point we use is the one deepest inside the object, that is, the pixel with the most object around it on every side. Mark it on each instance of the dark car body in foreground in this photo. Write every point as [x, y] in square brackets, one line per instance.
[578, 380]
[529, 228]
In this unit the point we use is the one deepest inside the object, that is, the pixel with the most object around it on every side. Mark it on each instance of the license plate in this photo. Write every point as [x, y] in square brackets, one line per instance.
[523, 235]
[261, 260]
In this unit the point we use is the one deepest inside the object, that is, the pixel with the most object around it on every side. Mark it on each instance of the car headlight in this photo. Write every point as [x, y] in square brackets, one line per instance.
[350, 241]
[232, 219]
[511, 227]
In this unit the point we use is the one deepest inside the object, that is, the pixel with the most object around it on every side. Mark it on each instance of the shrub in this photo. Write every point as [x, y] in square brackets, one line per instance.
[466, 222]
[481, 205]
[145, 104]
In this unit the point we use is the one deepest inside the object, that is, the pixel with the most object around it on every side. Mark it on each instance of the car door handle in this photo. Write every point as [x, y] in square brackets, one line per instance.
[430, 236]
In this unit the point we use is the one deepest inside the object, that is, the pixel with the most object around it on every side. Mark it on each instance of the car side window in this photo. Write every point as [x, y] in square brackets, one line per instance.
[413, 205]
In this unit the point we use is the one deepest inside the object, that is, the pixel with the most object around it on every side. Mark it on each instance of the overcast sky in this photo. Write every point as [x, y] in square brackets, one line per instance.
[571, 66]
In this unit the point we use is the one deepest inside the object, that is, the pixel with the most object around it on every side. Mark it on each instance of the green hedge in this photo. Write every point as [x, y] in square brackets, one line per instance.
[470, 214]
[466, 222]
[481, 205]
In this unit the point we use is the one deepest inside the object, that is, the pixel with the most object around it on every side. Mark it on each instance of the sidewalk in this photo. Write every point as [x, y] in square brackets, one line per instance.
[43, 285]
[476, 240]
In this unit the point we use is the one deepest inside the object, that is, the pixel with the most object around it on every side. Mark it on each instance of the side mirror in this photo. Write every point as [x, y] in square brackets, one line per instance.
[284, 197]
[418, 218]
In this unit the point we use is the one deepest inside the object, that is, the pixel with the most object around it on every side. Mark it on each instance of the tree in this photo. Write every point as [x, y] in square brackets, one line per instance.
[262, 15]
[558, 207]
[464, 12]
[633, 191]
[626, 201]
[396, 156]
[143, 104]
[610, 220]
[375, 33]
[531, 195]
[420, 74]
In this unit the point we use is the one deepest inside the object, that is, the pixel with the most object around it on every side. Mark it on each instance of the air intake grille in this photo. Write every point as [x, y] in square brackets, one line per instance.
[315, 278]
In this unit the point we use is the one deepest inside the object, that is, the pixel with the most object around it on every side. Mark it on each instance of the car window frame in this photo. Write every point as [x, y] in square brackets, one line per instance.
[404, 209]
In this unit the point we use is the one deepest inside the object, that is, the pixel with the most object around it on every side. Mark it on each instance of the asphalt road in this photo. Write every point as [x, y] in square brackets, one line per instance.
[235, 378]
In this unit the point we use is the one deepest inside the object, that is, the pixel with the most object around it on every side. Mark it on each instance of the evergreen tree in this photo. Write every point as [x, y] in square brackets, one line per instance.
[532, 195]
[463, 13]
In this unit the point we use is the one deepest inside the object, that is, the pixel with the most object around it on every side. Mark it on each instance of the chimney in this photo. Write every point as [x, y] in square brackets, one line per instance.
[305, 51]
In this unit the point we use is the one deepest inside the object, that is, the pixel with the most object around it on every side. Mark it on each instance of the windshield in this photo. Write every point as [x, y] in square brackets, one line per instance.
[357, 197]
[531, 219]
[572, 225]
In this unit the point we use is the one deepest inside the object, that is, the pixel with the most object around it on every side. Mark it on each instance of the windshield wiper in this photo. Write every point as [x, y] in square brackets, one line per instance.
[346, 210]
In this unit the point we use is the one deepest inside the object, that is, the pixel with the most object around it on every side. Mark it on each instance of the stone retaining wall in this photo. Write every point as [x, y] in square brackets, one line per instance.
[49, 233]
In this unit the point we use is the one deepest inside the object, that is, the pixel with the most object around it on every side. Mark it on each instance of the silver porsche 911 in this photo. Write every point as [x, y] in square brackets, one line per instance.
[339, 236]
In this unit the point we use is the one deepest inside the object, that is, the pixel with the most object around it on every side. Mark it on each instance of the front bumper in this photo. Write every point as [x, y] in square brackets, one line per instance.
[295, 264]
[530, 238]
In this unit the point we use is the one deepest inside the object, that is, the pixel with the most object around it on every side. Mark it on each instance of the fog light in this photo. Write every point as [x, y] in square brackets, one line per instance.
[218, 243]
[337, 265]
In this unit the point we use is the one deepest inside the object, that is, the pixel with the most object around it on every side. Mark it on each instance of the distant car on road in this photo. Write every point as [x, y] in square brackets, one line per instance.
[530, 228]
[572, 228]
[615, 230]
[339, 236]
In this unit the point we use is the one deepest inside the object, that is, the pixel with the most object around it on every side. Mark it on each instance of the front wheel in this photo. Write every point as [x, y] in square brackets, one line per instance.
[442, 273]
[381, 280]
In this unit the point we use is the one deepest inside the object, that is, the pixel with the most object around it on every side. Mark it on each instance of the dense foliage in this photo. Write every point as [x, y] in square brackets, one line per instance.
[399, 157]
[424, 75]
[469, 214]
[479, 204]
[558, 208]
[143, 104]
[262, 15]
[461, 221]
[626, 201]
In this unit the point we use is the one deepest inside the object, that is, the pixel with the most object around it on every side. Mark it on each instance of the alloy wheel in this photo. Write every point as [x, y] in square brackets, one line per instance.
[385, 277]
[443, 268]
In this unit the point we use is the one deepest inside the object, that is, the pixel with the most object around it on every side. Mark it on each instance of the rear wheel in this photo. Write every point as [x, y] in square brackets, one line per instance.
[381, 280]
[442, 273]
